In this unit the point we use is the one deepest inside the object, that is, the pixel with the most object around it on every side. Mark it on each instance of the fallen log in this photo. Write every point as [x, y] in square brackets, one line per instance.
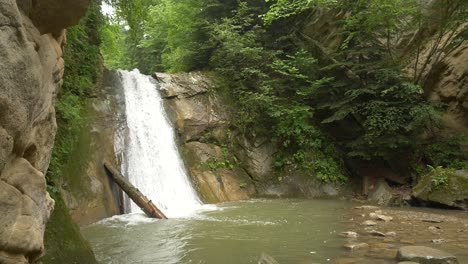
[137, 197]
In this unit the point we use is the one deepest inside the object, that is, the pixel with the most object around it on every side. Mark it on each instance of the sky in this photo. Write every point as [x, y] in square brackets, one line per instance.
[107, 9]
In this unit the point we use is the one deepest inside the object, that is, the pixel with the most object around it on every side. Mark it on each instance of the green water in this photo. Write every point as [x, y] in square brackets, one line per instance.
[291, 231]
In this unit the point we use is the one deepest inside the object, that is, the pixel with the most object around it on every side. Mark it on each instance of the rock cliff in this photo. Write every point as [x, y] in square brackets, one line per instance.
[32, 37]
[225, 163]
[201, 119]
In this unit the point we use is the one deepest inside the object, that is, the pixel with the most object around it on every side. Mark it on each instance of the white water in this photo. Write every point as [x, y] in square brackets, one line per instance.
[150, 159]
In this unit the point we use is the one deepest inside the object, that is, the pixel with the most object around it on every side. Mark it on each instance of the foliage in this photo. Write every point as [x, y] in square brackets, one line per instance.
[288, 88]
[228, 161]
[446, 152]
[440, 176]
[82, 69]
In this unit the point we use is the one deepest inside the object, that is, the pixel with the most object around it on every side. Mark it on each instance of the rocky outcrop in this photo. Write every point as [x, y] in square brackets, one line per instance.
[31, 70]
[224, 163]
[201, 120]
[447, 81]
[453, 193]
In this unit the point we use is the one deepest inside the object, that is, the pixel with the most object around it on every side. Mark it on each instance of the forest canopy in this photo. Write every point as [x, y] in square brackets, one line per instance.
[351, 89]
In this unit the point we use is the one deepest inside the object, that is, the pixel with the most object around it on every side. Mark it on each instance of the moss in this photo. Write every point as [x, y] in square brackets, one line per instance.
[454, 193]
[63, 240]
[74, 167]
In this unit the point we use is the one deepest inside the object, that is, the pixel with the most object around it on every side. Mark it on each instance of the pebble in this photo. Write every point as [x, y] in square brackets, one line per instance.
[376, 233]
[384, 218]
[367, 207]
[373, 216]
[391, 233]
[349, 234]
[356, 246]
[432, 220]
[369, 223]
[438, 241]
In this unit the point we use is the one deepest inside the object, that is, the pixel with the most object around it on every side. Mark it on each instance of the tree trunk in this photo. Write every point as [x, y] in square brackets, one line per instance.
[146, 205]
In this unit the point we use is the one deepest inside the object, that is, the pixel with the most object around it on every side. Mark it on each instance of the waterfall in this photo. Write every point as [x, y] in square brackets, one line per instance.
[148, 151]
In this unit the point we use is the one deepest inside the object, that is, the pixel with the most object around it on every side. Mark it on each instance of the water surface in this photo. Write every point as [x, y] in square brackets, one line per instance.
[291, 231]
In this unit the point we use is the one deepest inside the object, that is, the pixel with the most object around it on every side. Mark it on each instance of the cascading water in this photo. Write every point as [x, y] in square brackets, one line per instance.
[148, 151]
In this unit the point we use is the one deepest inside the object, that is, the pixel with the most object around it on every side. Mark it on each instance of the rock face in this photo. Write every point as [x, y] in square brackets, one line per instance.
[87, 191]
[31, 70]
[224, 163]
[201, 120]
[453, 194]
[425, 255]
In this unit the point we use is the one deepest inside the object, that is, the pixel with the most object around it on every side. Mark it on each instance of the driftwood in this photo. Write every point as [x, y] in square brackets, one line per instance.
[144, 203]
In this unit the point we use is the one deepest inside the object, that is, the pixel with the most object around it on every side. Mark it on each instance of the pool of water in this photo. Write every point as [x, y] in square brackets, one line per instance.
[290, 231]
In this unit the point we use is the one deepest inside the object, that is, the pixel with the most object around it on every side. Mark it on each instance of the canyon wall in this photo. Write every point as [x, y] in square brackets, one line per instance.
[32, 38]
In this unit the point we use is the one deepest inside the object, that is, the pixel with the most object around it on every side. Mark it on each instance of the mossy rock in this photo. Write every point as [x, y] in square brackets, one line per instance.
[63, 240]
[452, 194]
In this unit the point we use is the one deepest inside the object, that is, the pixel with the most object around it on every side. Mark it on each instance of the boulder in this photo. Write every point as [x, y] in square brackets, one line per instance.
[381, 194]
[425, 255]
[453, 194]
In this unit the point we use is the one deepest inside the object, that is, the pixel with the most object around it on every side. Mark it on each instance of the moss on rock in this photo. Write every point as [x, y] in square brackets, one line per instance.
[63, 240]
[454, 193]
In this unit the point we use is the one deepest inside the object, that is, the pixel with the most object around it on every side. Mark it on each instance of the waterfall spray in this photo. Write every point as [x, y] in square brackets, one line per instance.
[150, 158]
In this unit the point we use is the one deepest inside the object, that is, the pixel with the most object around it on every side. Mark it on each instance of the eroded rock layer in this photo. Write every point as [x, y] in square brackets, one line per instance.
[31, 70]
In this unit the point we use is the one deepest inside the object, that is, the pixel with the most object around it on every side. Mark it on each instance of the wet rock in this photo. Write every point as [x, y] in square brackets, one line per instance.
[382, 193]
[366, 207]
[349, 234]
[438, 241]
[384, 218]
[432, 220]
[356, 246]
[373, 216]
[425, 255]
[369, 223]
[390, 234]
[376, 233]
[267, 259]
[453, 194]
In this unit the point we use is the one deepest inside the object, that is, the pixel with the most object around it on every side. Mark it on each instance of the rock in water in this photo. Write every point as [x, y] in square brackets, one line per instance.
[267, 259]
[382, 194]
[356, 246]
[369, 223]
[425, 255]
[453, 194]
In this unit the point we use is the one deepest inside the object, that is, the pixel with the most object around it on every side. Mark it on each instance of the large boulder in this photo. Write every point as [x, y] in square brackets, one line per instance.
[425, 255]
[453, 194]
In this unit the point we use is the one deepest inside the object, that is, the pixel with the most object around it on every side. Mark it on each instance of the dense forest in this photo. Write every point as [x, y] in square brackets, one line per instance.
[353, 92]
[356, 98]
